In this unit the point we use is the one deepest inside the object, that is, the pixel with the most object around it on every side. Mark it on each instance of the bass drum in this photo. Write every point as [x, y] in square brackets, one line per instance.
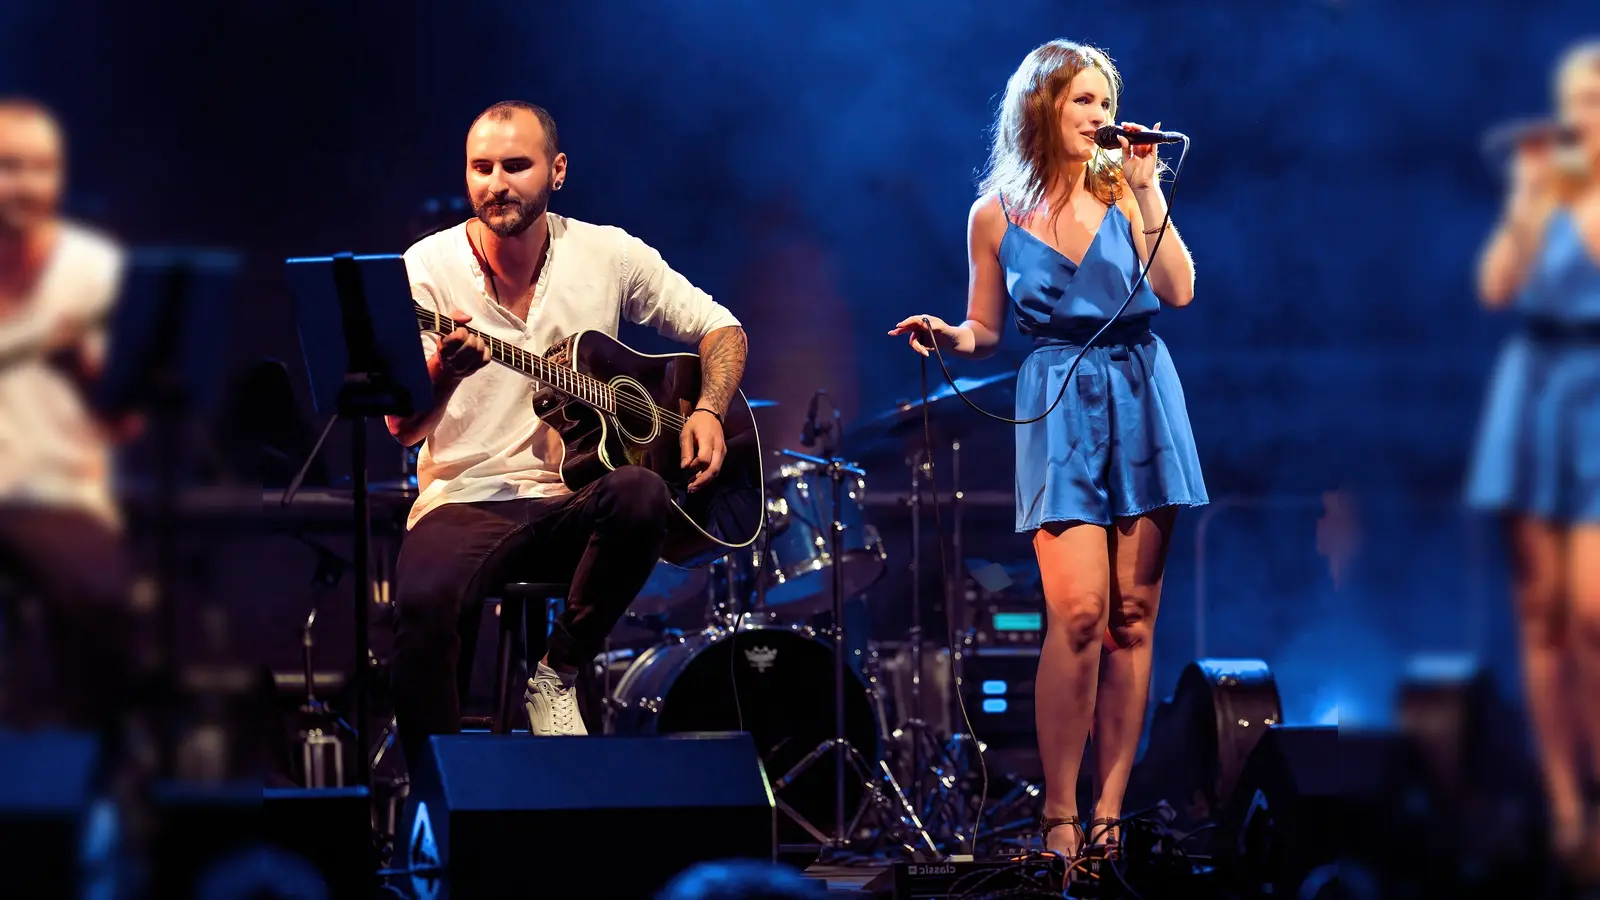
[785, 685]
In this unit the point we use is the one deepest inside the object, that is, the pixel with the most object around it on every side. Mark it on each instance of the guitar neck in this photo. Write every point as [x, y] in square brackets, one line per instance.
[574, 384]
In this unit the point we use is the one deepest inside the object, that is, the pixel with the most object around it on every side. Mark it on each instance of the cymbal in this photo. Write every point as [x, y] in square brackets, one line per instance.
[890, 431]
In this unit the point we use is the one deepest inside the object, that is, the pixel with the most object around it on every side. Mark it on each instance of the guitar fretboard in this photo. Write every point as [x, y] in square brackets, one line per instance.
[572, 383]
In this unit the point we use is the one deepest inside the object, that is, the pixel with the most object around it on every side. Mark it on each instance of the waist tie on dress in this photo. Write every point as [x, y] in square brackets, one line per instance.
[1122, 334]
[1552, 332]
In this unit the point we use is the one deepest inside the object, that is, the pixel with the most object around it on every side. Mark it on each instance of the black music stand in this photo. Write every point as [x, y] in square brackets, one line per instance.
[164, 361]
[364, 358]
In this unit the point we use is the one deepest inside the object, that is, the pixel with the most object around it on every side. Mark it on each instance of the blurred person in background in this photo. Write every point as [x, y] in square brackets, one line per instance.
[1537, 460]
[60, 535]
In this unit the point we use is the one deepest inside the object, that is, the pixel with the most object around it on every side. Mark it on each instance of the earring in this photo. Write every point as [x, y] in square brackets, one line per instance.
[559, 184]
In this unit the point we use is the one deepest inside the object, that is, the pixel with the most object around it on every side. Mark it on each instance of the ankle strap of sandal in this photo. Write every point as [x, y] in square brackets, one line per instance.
[1046, 824]
[1104, 827]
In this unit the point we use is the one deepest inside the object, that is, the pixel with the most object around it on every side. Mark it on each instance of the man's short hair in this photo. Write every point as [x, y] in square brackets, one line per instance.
[17, 104]
[505, 109]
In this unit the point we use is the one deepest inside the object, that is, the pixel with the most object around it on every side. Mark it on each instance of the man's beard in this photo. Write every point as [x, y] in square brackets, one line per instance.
[19, 215]
[516, 216]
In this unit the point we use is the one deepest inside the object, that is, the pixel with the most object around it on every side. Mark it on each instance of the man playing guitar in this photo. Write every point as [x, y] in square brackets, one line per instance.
[493, 507]
[60, 529]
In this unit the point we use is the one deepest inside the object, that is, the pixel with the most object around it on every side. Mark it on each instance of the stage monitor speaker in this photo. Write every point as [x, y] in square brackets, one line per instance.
[329, 828]
[1283, 821]
[55, 838]
[1201, 737]
[603, 816]
[278, 841]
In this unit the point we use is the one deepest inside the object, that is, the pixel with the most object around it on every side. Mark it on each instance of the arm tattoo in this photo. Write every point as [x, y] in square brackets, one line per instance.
[722, 354]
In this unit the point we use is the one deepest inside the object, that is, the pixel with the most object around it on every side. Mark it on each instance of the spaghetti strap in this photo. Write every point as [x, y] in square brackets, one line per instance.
[1004, 210]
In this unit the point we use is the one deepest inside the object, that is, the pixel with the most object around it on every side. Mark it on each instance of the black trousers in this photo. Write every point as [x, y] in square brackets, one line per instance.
[67, 583]
[605, 539]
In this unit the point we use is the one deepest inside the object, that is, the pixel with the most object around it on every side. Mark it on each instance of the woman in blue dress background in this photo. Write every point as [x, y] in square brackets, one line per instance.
[1537, 461]
[1059, 234]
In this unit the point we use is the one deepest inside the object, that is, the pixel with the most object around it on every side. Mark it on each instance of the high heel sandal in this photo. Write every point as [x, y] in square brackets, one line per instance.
[1047, 824]
[1101, 837]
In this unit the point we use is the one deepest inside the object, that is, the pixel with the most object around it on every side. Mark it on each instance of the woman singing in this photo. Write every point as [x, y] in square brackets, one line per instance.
[1061, 231]
[1537, 462]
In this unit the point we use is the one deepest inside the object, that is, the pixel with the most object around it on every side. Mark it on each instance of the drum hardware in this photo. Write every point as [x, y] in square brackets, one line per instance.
[892, 682]
[798, 546]
[936, 759]
[321, 747]
[917, 722]
[748, 669]
[927, 754]
[845, 753]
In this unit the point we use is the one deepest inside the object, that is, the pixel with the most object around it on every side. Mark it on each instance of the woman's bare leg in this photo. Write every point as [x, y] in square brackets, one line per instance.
[1539, 584]
[1583, 602]
[1075, 565]
[1139, 560]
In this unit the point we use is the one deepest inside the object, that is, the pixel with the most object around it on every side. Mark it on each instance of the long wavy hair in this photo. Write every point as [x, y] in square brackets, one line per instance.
[1027, 146]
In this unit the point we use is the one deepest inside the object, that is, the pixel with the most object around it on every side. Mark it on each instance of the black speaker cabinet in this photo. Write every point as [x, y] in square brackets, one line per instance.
[55, 837]
[605, 816]
[1284, 821]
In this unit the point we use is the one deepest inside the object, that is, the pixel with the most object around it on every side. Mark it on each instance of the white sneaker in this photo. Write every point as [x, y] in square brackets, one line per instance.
[552, 701]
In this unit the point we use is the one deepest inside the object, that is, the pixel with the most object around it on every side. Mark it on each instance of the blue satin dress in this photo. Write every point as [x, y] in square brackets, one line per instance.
[1119, 443]
[1538, 447]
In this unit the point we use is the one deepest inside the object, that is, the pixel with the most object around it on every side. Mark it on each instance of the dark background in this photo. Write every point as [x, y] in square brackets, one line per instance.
[810, 165]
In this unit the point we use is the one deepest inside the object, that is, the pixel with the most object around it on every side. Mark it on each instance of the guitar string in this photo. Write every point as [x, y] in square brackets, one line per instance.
[648, 409]
[578, 385]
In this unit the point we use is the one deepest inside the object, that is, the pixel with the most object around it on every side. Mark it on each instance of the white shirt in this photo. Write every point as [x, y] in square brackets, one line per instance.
[52, 452]
[490, 445]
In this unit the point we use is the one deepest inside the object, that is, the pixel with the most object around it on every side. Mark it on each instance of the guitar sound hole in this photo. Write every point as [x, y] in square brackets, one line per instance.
[635, 411]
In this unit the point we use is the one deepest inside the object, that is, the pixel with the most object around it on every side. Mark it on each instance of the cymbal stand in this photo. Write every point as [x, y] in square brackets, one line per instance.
[959, 613]
[918, 722]
[941, 762]
[958, 610]
[900, 817]
[927, 755]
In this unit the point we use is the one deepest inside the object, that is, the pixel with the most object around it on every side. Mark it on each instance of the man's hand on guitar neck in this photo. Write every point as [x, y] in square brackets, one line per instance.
[460, 354]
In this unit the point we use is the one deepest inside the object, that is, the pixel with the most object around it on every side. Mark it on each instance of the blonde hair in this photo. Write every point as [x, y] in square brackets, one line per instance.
[1027, 144]
[1581, 58]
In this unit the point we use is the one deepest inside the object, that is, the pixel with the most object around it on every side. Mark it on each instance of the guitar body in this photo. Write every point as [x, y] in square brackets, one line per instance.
[721, 517]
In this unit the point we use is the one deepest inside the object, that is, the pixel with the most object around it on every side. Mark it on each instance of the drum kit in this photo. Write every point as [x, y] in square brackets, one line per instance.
[754, 643]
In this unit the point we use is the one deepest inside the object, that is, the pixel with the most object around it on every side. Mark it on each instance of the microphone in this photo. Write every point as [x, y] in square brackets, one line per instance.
[808, 434]
[1523, 131]
[1106, 136]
